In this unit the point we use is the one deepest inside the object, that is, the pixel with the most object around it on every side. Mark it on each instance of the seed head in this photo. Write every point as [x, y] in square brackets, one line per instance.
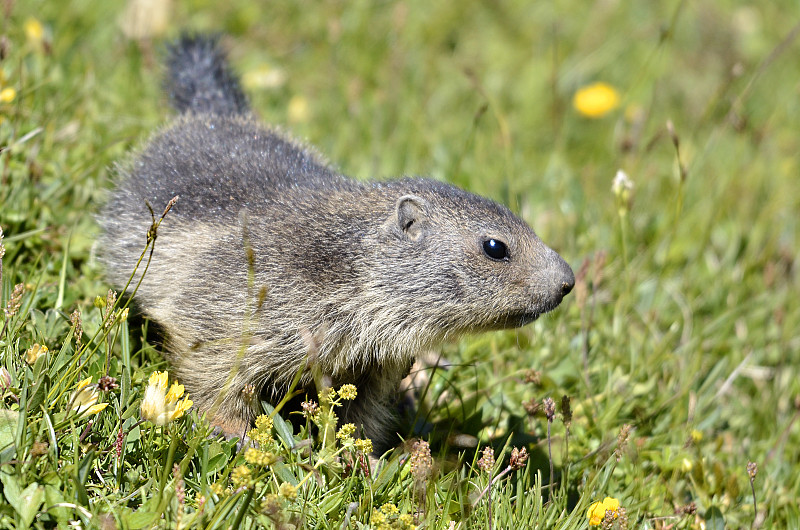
[77, 321]
[549, 408]
[622, 441]
[566, 410]
[532, 407]
[486, 462]
[119, 444]
[518, 458]
[752, 470]
[310, 409]
[533, 377]
[107, 383]
[421, 460]
[13, 304]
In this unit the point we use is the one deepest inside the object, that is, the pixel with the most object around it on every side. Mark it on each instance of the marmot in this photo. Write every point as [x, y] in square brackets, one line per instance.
[270, 253]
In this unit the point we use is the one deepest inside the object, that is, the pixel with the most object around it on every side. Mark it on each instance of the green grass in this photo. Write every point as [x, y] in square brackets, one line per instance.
[683, 324]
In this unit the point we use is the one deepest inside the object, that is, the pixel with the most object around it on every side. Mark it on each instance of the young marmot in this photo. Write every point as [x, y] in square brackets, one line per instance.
[271, 260]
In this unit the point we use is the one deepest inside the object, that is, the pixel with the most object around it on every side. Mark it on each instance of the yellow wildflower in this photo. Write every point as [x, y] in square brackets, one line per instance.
[346, 431]
[348, 392]
[262, 438]
[34, 352]
[7, 95]
[364, 445]
[175, 392]
[241, 477]
[298, 109]
[287, 491]
[597, 511]
[389, 509]
[406, 520]
[378, 518]
[327, 395]
[217, 489]
[84, 399]
[34, 31]
[256, 457]
[264, 76]
[261, 434]
[264, 423]
[159, 406]
[596, 100]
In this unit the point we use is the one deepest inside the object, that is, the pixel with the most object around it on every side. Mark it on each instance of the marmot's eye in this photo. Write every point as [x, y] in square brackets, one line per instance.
[495, 249]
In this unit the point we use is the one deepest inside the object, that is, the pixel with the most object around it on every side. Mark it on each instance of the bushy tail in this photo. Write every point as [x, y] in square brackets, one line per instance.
[199, 78]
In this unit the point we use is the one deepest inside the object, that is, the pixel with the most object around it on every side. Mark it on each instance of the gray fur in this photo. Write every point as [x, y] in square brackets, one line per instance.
[363, 275]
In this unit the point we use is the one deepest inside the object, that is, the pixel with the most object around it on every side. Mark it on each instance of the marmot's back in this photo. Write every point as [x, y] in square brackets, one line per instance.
[269, 255]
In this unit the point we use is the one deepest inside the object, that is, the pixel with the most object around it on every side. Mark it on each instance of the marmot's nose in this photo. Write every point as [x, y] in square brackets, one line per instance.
[567, 286]
[567, 280]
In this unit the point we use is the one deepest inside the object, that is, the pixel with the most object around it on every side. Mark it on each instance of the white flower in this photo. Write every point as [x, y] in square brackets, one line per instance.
[84, 399]
[160, 406]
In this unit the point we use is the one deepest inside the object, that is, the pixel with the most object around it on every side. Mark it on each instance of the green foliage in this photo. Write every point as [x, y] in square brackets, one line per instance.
[682, 324]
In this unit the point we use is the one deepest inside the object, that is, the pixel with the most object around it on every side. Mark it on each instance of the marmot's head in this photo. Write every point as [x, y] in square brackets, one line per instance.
[462, 263]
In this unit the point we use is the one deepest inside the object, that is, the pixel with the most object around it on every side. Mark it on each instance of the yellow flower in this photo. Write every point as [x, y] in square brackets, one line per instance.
[84, 399]
[298, 110]
[346, 431]
[34, 352]
[175, 392]
[348, 392]
[406, 520]
[378, 518]
[287, 491]
[159, 406]
[364, 445]
[34, 31]
[262, 432]
[597, 511]
[7, 95]
[257, 457]
[264, 423]
[264, 76]
[596, 100]
[241, 477]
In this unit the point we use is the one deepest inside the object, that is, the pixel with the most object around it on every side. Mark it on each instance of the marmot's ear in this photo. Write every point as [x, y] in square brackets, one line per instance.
[410, 216]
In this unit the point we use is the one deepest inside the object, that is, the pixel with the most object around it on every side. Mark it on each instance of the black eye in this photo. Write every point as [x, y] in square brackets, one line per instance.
[495, 249]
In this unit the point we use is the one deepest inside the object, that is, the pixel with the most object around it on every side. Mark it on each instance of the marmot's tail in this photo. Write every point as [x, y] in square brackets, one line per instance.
[199, 78]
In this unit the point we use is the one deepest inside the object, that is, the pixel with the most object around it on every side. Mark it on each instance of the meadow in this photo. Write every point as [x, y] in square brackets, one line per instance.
[654, 145]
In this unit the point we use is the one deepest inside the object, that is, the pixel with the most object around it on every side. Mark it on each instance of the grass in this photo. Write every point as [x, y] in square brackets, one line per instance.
[682, 324]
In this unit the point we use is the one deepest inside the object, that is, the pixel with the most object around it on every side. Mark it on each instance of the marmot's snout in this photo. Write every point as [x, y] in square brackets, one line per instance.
[559, 278]
[565, 279]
